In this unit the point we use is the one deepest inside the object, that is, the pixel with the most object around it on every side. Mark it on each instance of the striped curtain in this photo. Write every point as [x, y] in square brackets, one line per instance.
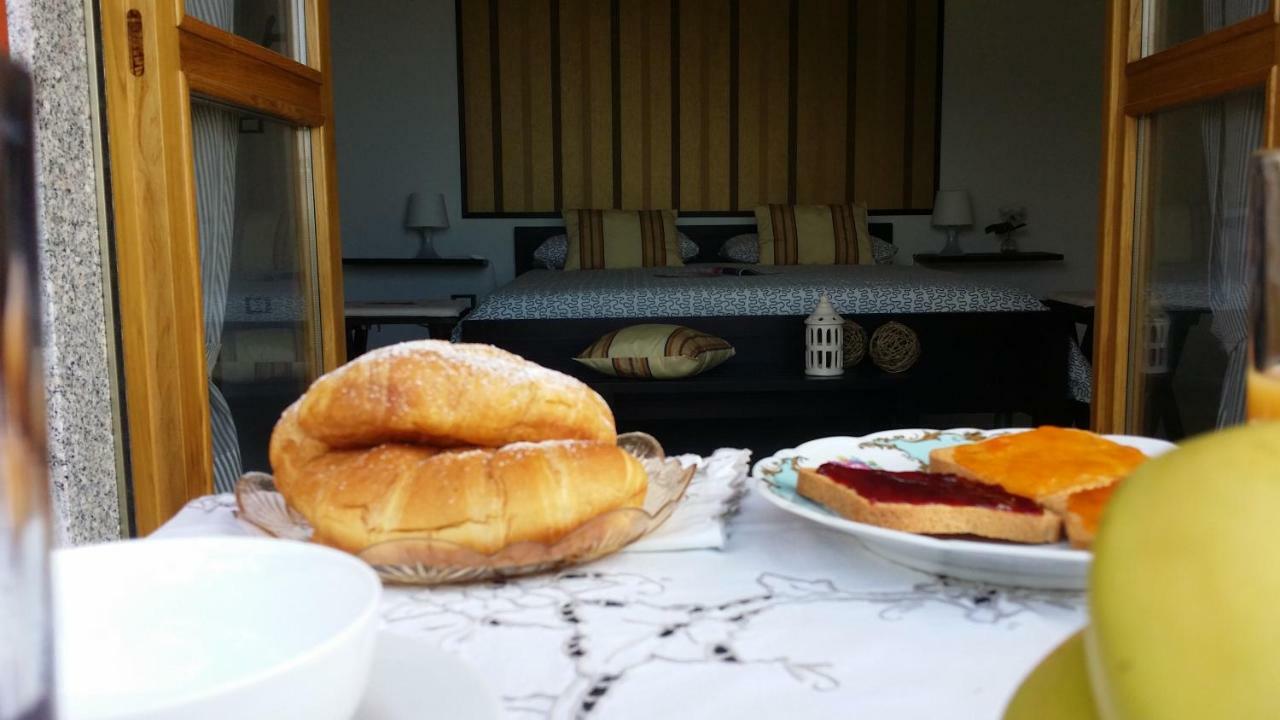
[215, 137]
[1231, 129]
[701, 105]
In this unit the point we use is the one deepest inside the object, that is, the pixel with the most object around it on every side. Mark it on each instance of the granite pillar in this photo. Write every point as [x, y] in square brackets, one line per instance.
[49, 38]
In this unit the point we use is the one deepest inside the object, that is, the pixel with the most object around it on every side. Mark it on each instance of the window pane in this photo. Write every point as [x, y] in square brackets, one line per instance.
[1189, 317]
[1169, 22]
[257, 240]
[277, 25]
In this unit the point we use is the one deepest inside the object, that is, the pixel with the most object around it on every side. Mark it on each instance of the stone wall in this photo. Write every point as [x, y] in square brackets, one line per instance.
[50, 38]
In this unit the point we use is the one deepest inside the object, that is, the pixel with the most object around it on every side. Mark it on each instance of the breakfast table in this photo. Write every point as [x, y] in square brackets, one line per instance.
[786, 619]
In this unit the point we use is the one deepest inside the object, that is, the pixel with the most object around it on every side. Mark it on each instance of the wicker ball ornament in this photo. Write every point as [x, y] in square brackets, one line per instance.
[855, 343]
[894, 347]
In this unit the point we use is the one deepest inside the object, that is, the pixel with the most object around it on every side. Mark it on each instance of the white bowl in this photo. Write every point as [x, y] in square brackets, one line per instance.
[198, 628]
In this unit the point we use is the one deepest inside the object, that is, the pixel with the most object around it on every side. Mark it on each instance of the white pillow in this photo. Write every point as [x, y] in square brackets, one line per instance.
[744, 248]
[552, 252]
[882, 251]
[688, 248]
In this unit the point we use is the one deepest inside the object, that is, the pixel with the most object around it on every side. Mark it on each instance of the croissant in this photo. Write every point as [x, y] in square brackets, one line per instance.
[480, 498]
[433, 392]
[465, 443]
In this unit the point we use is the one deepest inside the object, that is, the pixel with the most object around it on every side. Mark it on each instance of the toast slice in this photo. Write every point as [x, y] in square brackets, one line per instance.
[929, 505]
[1083, 511]
[1047, 464]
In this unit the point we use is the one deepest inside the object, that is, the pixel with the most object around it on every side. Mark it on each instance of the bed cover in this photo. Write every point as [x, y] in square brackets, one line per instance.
[691, 291]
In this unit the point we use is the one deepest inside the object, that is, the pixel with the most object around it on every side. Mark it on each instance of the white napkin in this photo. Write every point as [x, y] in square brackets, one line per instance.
[701, 519]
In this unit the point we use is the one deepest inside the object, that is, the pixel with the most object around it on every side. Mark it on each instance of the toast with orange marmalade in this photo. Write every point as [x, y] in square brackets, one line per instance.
[1084, 510]
[1071, 472]
[1047, 464]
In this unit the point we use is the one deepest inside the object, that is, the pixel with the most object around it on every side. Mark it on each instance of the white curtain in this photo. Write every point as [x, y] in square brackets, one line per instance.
[1231, 130]
[215, 138]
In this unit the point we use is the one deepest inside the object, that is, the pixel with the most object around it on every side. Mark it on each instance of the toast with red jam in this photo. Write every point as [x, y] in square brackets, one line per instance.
[927, 503]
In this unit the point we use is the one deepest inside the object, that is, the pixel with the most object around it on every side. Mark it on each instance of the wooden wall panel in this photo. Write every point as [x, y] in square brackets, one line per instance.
[704, 105]
[477, 107]
[881, 102]
[923, 126]
[586, 103]
[764, 89]
[822, 133]
[644, 56]
[524, 52]
[703, 128]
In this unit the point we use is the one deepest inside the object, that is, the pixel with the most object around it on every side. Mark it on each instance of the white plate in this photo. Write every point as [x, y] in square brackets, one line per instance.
[1039, 566]
[412, 680]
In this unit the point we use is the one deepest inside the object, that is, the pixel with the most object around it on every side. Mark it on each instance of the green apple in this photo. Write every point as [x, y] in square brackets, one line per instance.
[1058, 689]
[1185, 585]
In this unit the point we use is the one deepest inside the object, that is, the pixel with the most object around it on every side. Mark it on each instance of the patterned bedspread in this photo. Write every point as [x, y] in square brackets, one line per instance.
[793, 290]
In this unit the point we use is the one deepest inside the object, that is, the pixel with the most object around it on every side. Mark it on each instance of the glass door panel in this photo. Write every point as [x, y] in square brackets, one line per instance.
[1189, 314]
[200, 184]
[257, 237]
[278, 25]
[1264, 306]
[1166, 23]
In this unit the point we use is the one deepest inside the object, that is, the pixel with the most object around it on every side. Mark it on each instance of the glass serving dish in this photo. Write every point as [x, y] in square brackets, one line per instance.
[438, 562]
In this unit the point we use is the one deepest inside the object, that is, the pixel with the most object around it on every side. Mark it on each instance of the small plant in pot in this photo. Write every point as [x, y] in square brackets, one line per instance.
[1012, 219]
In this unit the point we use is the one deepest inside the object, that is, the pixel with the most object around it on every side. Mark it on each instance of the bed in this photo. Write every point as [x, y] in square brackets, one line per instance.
[986, 348]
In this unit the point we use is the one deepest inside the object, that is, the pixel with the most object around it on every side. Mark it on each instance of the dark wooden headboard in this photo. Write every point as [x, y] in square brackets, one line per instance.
[709, 238]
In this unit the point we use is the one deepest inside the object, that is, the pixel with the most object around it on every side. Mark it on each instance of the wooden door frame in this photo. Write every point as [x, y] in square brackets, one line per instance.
[154, 57]
[1218, 63]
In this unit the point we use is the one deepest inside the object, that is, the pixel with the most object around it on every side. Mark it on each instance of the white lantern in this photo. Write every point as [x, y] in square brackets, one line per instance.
[824, 341]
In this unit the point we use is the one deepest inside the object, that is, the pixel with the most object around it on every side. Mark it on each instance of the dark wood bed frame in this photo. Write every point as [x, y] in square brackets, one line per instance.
[994, 363]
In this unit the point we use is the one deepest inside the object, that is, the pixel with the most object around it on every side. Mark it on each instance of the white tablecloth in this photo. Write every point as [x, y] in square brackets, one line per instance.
[789, 620]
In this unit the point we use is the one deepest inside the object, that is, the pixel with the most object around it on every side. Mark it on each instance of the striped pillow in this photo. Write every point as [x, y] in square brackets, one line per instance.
[814, 234]
[655, 351]
[621, 239]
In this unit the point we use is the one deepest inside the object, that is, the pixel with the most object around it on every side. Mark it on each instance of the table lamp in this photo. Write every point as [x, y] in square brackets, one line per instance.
[951, 210]
[425, 214]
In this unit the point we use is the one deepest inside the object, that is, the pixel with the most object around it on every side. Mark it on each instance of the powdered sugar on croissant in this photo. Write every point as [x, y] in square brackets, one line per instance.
[442, 394]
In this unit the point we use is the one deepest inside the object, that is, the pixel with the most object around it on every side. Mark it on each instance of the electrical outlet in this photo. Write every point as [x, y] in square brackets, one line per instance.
[1014, 214]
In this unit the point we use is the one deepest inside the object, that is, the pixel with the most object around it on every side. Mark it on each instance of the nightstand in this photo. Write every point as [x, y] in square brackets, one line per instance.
[1078, 306]
[988, 258]
[462, 261]
[1162, 406]
[438, 316]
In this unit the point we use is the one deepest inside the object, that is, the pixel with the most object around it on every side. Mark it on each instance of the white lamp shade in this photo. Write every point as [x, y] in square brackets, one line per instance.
[426, 210]
[951, 209]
